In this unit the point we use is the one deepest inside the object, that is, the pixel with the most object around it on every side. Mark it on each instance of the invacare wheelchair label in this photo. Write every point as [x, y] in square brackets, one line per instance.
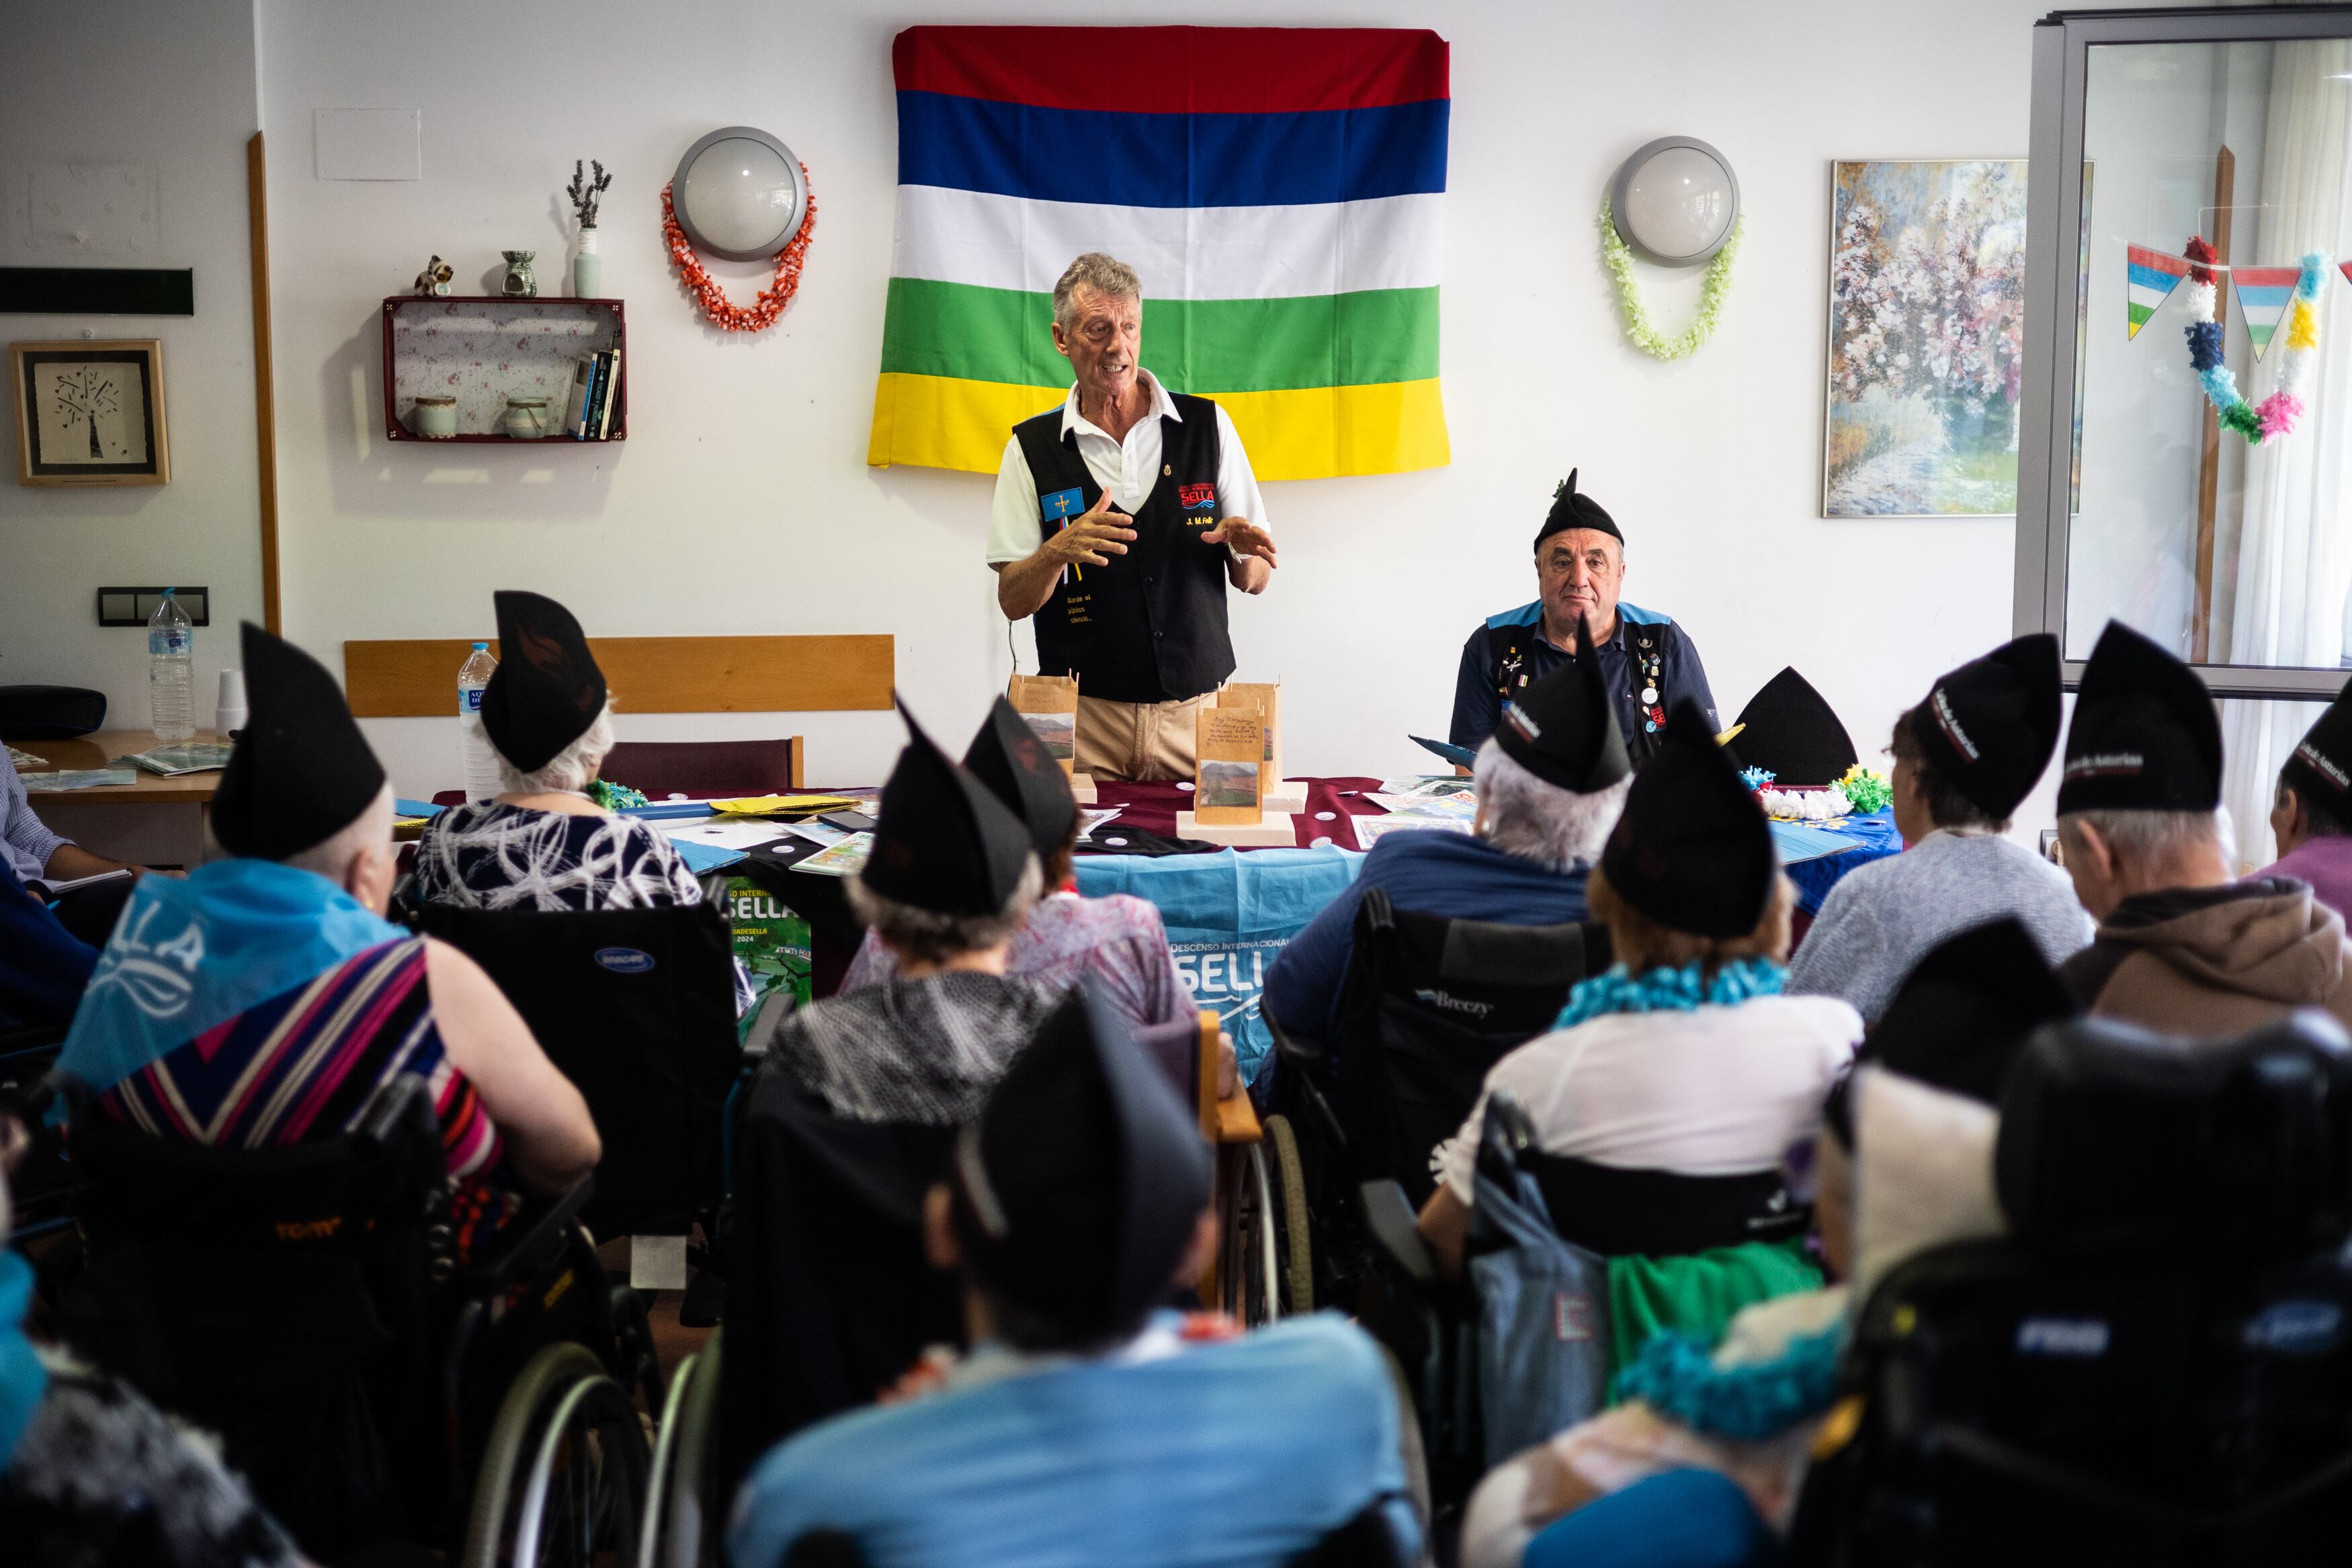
[2082, 1338]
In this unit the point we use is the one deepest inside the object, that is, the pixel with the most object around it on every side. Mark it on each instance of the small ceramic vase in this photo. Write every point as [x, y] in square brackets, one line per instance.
[587, 268]
[519, 284]
[436, 418]
[526, 418]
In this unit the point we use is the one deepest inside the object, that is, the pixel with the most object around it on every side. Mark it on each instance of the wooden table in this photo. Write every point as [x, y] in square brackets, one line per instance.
[153, 821]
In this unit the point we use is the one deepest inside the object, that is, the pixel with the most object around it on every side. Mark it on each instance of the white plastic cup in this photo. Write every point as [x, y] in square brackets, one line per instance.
[230, 713]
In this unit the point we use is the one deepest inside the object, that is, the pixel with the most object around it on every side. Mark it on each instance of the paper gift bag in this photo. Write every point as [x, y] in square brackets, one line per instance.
[1050, 704]
[1229, 777]
[1266, 698]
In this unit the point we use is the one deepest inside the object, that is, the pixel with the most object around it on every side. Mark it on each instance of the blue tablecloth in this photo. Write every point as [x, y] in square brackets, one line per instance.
[1227, 914]
[1874, 838]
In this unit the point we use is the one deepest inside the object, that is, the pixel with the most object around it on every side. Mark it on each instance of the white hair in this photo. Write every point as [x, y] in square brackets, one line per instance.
[1543, 822]
[2153, 835]
[570, 769]
[1105, 275]
[931, 937]
[332, 856]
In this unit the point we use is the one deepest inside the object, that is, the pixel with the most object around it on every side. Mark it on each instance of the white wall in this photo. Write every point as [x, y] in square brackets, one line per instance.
[740, 502]
[167, 84]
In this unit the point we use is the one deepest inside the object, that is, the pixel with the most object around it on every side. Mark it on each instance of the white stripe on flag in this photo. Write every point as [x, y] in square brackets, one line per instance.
[1180, 253]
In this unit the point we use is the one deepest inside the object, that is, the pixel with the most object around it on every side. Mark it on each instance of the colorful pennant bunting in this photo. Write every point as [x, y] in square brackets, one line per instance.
[2263, 293]
[2154, 276]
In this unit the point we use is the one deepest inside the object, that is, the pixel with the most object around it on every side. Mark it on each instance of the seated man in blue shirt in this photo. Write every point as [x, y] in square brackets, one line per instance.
[1549, 783]
[1085, 1427]
[1647, 662]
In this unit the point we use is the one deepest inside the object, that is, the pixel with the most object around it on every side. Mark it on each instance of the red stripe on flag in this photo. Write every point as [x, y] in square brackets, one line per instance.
[2157, 261]
[1175, 70]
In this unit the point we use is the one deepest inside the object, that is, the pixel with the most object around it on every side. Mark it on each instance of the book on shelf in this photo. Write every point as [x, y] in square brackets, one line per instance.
[611, 392]
[576, 407]
[593, 365]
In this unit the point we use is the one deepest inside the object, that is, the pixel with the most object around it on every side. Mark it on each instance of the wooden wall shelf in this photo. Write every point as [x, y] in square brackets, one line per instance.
[483, 348]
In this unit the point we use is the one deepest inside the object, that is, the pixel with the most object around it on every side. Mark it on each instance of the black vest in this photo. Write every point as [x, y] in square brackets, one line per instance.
[1149, 626]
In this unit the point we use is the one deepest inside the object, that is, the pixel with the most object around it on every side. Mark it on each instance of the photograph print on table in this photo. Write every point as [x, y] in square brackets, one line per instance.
[89, 413]
[1927, 332]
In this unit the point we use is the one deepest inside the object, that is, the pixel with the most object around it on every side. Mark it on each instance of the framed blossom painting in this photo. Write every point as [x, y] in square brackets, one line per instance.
[1927, 330]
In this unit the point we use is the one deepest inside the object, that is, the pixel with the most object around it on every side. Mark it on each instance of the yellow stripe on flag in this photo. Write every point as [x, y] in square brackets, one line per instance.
[1321, 433]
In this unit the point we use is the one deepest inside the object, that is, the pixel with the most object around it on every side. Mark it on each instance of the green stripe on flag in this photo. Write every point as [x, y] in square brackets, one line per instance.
[1366, 339]
[2140, 313]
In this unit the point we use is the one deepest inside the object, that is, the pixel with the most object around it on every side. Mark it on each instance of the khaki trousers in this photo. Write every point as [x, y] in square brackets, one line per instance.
[1141, 741]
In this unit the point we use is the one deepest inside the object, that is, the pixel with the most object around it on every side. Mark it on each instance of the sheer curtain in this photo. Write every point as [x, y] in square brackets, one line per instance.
[2294, 551]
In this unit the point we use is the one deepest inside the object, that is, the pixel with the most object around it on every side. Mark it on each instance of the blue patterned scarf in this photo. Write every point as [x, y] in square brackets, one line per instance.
[1670, 990]
[187, 955]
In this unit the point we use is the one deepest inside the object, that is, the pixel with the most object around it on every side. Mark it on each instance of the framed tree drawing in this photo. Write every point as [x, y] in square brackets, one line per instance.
[89, 413]
[1926, 338]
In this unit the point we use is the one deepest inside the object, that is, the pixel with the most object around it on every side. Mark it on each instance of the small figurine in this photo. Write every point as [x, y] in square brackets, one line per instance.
[519, 284]
[433, 281]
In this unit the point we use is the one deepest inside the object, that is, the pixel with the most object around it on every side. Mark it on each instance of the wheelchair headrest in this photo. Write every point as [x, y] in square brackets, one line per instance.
[2115, 1141]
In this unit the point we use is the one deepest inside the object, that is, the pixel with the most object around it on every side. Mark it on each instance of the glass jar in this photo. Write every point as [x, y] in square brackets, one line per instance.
[436, 418]
[527, 418]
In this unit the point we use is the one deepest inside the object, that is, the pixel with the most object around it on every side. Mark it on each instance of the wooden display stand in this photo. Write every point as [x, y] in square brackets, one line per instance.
[1271, 831]
[1288, 797]
[1082, 788]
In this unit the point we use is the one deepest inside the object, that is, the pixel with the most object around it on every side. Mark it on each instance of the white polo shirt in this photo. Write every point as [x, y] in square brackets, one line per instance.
[1125, 470]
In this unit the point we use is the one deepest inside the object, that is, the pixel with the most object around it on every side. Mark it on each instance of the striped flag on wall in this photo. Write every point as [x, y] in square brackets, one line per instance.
[2154, 276]
[1279, 191]
[2264, 295]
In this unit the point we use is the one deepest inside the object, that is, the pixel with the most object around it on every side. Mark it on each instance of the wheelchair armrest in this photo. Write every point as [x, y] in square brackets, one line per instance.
[540, 1236]
[1302, 1051]
[1389, 1221]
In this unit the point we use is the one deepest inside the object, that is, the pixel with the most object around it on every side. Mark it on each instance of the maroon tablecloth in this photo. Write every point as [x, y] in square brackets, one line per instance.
[1154, 808]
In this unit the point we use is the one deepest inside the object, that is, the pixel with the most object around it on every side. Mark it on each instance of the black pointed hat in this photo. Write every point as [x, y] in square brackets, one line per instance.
[943, 842]
[1007, 757]
[2320, 767]
[1989, 727]
[301, 771]
[1791, 730]
[1692, 850]
[1563, 727]
[547, 689]
[1080, 1182]
[2146, 736]
[1570, 510]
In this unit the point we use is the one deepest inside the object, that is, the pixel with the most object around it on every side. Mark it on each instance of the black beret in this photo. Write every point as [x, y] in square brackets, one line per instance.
[1989, 727]
[1007, 757]
[1791, 729]
[943, 842]
[1563, 727]
[547, 690]
[1570, 510]
[2146, 736]
[1692, 851]
[2320, 767]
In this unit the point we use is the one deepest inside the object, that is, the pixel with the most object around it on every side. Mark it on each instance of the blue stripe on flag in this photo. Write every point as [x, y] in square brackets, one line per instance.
[2149, 278]
[2263, 296]
[1172, 160]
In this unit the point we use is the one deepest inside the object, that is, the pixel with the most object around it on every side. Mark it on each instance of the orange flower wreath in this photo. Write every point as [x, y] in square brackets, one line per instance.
[723, 311]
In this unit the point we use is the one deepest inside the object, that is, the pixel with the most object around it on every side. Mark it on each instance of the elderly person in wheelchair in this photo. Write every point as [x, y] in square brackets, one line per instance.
[1087, 1425]
[950, 880]
[1710, 1446]
[264, 1000]
[543, 843]
[1683, 1060]
[1550, 782]
[1118, 939]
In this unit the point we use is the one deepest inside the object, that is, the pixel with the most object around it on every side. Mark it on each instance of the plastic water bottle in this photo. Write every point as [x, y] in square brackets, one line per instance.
[480, 757]
[171, 670]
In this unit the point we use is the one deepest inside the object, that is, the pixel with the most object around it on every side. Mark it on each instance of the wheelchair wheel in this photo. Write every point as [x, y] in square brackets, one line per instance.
[1249, 1268]
[563, 1476]
[690, 1511]
[1298, 1247]
[658, 1477]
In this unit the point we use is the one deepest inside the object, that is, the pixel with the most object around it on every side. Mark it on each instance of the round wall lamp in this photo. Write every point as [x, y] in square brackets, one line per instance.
[1675, 201]
[739, 195]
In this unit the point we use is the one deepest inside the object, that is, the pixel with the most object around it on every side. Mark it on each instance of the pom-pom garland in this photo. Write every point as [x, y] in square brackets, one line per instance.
[2276, 415]
[1866, 791]
[724, 312]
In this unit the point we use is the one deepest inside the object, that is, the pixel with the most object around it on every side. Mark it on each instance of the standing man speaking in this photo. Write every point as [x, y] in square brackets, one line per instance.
[1119, 520]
